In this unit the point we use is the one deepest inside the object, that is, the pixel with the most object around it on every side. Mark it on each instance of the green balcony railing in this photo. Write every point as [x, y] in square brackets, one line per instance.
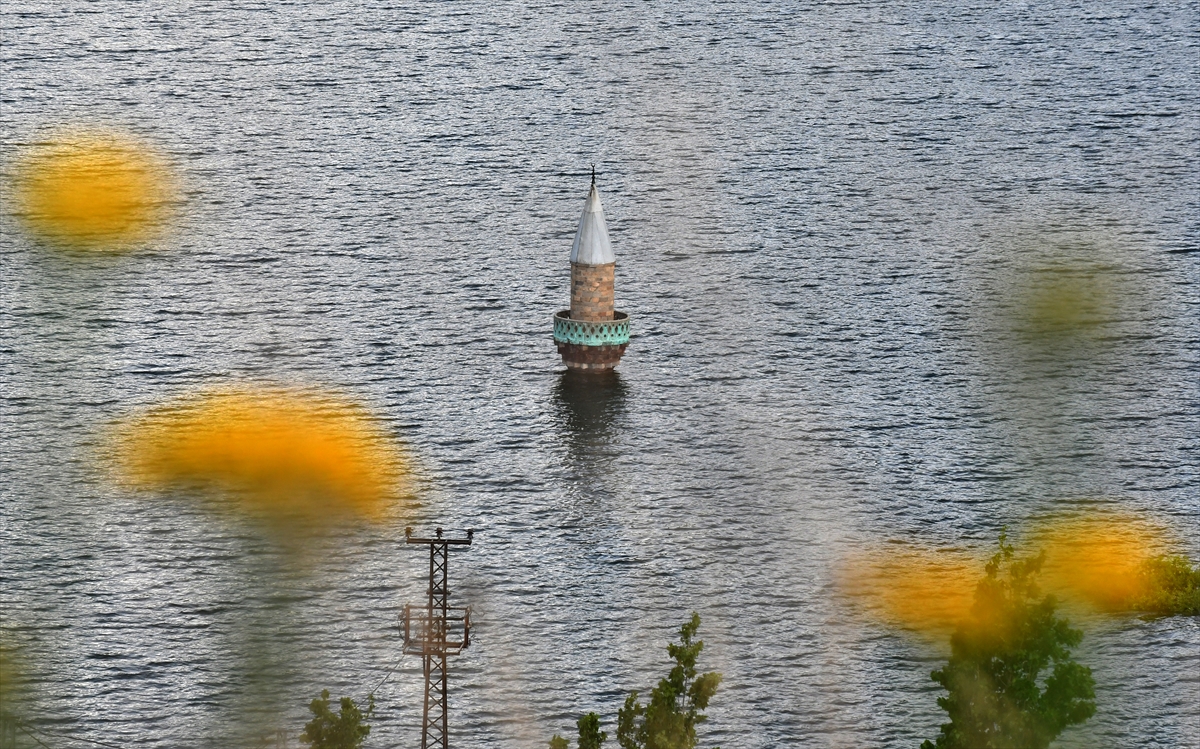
[589, 333]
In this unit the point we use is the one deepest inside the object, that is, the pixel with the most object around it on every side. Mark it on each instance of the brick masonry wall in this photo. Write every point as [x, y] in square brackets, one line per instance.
[590, 357]
[592, 291]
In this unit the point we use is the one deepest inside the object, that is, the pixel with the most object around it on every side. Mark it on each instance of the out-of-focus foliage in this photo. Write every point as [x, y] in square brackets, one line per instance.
[1061, 296]
[994, 677]
[12, 689]
[284, 454]
[670, 720]
[344, 729]
[1170, 586]
[93, 191]
[1065, 301]
[1060, 304]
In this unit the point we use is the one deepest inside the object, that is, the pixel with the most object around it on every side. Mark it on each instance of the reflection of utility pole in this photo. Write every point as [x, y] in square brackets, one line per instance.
[436, 631]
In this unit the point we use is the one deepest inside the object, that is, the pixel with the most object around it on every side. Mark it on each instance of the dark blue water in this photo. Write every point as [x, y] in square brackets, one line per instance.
[828, 220]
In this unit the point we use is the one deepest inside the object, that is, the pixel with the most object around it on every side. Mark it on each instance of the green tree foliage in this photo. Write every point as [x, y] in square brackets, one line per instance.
[997, 654]
[1171, 587]
[590, 735]
[342, 730]
[670, 720]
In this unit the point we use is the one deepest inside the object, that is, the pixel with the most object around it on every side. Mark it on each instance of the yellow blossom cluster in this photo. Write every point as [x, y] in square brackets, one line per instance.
[281, 452]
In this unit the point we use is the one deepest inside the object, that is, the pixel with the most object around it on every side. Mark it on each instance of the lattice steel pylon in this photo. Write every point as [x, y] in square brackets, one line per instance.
[435, 631]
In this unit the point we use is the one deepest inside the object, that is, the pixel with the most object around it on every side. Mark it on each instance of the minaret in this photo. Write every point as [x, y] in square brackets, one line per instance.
[592, 335]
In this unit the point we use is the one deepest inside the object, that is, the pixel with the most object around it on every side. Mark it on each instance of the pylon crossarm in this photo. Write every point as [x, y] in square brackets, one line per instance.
[423, 634]
[441, 536]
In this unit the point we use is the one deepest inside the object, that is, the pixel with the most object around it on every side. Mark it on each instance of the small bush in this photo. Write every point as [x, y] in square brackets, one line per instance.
[670, 720]
[590, 735]
[1170, 586]
[342, 730]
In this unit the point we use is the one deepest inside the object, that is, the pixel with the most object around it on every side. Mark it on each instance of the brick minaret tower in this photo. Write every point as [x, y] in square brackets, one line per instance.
[591, 335]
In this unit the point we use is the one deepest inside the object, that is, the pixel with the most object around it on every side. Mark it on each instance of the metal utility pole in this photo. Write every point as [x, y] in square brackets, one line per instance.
[435, 631]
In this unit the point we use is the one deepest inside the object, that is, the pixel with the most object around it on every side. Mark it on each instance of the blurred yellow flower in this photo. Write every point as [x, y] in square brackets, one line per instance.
[1098, 557]
[283, 453]
[919, 589]
[93, 191]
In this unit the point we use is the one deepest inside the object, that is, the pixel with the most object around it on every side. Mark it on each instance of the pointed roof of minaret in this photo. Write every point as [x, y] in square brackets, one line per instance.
[591, 240]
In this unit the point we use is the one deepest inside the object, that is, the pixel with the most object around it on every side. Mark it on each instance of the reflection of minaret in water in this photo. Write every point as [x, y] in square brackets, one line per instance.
[591, 335]
[589, 407]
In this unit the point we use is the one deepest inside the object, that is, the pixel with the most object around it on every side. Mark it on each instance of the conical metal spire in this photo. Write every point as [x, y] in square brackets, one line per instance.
[591, 240]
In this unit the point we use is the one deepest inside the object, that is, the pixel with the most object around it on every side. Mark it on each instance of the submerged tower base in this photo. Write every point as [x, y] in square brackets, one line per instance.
[590, 358]
[591, 344]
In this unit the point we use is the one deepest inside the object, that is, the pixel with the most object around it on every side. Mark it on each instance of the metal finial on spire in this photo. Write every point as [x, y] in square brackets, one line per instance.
[591, 245]
[593, 174]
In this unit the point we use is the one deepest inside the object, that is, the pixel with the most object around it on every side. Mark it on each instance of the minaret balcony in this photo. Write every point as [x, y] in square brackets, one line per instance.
[613, 332]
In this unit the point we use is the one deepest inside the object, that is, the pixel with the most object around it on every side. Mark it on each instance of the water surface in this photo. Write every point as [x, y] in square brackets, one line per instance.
[826, 218]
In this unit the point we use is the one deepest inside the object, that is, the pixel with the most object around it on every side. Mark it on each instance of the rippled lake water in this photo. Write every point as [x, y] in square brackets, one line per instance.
[827, 217]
